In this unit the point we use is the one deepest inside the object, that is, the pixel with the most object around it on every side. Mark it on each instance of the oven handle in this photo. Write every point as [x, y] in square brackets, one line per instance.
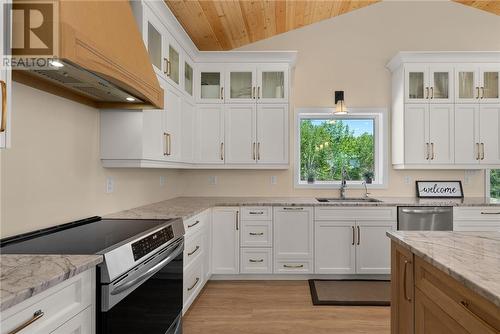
[150, 272]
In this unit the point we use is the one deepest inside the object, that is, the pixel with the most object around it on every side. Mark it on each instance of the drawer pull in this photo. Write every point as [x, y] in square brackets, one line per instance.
[195, 250]
[404, 281]
[293, 266]
[490, 213]
[256, 261]
[253, 233]
[465, 304]
[195, 282]
[37, 315]
[192, 225]
[293, 209]
[256, 212]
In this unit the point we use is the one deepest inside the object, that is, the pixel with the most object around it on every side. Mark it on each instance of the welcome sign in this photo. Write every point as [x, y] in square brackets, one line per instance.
[439, 189]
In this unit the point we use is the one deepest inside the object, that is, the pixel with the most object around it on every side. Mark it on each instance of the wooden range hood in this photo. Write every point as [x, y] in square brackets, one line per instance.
[104, 57]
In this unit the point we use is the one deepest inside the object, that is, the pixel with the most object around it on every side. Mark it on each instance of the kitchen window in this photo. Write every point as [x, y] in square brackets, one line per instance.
[326, 143]
[493, 184]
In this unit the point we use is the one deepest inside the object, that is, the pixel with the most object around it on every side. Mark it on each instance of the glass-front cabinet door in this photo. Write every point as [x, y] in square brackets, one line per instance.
[173, 61]
[416, 84]
[440, 84]
[272, 83]
[241, 83]
[467, 87]
[188, 78]
[490, 87]
[210, 83]
[155, 40]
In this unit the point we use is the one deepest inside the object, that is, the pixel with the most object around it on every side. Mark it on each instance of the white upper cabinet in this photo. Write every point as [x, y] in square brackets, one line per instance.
[272, 83]
[428, 83]
[174, 62]
[445, 110]
[477, 83]
[272, 134]
[210, 134]
[5, 83]
[210, 83]
[189, 78]
[240, 144]
[241, 83]
[188, 134]
[172, 122]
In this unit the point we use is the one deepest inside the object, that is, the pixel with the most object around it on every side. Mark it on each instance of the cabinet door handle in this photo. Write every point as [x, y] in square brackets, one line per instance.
[258, 151]
[3, 125]
[254, 152]
[165, 61]
[253, 92]
[426, 92]
[428, 151]
[405, 294]
[165, 143]
[194, 284]
[482, 92]
[477, 92]
[353, 235]
[258, 92]
[433, 154]
[222, 93]
[477, 151]
[222, 151]
[482, 151]
[490, 213]
[293, 209]
[293, 266]
[432, 92]
[37, 315]
[256, 212]
[192, 225]
[359, 235]
[466, 305]
[256, 261]
[253, 233]
[194, 251]
[237, 220]
[169, 143]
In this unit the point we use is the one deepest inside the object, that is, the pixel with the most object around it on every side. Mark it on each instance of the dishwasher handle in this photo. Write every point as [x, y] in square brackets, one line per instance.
[425, 211]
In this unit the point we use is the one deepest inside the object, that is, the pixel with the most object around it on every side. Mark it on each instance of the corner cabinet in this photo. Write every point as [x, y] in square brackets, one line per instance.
[222, 110]
[5, 80]
[445, 110]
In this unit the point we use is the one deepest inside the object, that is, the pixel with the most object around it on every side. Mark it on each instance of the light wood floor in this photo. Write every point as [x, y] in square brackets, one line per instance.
[276, 307]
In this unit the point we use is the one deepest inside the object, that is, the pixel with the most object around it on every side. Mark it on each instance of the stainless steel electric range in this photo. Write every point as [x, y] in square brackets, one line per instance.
[139, 284]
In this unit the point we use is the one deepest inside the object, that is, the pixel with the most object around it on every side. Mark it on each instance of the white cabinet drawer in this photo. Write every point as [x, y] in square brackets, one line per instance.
[293, 267]
[476, 226]
[355, 213]
[195, 223]
[193, 282]
[58, 304]
[194, 247]
[80, 324]
[488, 213]
[257, 213]
[256, 233]
[256, 261]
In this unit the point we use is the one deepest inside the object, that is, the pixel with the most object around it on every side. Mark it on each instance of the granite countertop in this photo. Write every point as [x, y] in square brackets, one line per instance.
[23, 276]
[472, 258]
[186, 207]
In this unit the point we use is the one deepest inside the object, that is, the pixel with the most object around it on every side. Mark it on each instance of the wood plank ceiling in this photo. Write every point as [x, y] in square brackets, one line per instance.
[215, 25]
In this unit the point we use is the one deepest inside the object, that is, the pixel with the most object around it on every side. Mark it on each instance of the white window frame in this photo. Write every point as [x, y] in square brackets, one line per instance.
[487, 186]
[381, 142]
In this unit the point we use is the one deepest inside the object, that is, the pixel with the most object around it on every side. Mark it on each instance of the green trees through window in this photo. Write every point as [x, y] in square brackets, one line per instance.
[328, 144]
[495, 183]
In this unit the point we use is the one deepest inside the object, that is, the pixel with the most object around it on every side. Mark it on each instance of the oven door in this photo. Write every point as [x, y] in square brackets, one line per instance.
[148, 299]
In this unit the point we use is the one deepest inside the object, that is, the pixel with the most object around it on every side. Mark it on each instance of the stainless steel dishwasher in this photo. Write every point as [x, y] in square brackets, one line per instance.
[425, 218]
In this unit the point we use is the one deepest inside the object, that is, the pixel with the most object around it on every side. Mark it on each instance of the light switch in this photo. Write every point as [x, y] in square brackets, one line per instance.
[110, 184]
[163, 180]
[212, 179]
[407, 179]
[274, 179]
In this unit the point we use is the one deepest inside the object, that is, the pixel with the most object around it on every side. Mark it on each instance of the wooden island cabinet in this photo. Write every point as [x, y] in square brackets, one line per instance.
[427, 300]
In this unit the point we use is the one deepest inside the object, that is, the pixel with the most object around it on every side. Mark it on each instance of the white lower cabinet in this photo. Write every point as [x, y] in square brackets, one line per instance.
[194, 279]
[225, 240]
[346, 242]
[65, 308]
[256, 240]
[256, 261]
[476, 219]
[293, 239]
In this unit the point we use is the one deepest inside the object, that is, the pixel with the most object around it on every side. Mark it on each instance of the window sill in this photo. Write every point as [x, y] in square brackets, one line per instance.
[305, 185]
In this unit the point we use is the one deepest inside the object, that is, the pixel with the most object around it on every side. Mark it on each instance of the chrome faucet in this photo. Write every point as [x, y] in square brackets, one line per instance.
[343, 183]
[366, 189]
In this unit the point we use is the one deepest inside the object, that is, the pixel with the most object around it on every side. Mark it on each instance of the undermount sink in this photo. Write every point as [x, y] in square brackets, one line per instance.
[347, 199]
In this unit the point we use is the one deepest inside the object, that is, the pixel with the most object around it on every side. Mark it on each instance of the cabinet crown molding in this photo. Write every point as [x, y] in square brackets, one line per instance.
[442, 57]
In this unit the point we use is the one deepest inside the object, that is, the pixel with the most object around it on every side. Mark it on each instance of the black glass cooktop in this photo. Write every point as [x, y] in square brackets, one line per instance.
[88, 236]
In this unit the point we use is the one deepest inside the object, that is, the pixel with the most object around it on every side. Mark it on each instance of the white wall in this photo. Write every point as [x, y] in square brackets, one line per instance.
[53, 175]
[349, 53]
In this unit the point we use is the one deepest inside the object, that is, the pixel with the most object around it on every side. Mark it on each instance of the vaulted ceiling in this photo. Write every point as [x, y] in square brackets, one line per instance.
[228, 24]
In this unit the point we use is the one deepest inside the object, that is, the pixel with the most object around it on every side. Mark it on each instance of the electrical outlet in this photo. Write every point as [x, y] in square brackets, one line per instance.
[110, 184]
[274, 179]
[163, 180]
[407, 179]
[212, 180]
[469, 175]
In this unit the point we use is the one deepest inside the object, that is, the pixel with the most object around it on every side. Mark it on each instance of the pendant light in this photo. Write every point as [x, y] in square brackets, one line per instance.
[340, 107]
